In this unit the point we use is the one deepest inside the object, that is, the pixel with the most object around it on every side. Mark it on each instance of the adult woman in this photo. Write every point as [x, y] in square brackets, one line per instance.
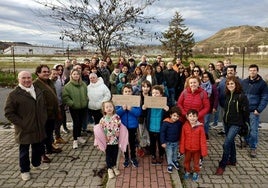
[197, 71]
[208, 84]
[212, 70]
[193, 97]
[97, 93]
[75, 96]
[149, 75]
[236, 109]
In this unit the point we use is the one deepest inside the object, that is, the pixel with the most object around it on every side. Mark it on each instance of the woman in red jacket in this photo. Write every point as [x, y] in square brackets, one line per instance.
[194, 97]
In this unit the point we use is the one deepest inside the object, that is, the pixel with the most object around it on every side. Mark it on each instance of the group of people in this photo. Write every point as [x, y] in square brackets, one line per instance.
[37, 109]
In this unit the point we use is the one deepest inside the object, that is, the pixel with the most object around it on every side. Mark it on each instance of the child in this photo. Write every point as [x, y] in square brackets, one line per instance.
[111, 130]
[169, 137]
[144, 139]
[129, 116]
[193, 143]
[155, 117]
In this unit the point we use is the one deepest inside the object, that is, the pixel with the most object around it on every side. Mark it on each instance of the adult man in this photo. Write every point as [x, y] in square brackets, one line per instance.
[170, 78]
[256, 90]
[46, 85]
[25, 108]
[54, 77]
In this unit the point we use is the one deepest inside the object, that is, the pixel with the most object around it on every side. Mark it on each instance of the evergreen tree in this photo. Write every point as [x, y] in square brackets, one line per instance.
[177, 40]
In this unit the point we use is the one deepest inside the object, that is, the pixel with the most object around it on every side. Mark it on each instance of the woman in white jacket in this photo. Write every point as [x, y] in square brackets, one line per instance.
[97, 93]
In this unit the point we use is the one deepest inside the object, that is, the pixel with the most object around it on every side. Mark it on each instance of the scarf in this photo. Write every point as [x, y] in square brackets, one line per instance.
[29, 90]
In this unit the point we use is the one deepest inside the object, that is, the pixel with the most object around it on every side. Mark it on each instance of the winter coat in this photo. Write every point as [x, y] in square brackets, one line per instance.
[50, 96]
[27, 114]
[170, 131]
[129, 117]
[197, 100]
[75, 95]
[97, 94]
[257, 93]
[170, 78]
[236, 109]
[193, 139]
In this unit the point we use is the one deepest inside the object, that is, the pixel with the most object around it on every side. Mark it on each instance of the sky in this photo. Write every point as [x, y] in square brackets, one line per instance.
[204, 18]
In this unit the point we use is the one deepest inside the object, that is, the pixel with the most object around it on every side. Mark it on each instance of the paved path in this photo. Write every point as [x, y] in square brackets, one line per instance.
[76, 168]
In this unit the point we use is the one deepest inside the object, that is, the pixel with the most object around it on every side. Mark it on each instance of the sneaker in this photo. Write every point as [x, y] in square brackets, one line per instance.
[25, 176]
[134, 163]
[186, 175]
[222, 132]
[60, 141]
[179, 156]
[153, 161]
[45, 159]
[140, 152]
[110, 173]
[176, 165]
[75, 144]
[42, 166]
[170, 168]
[195, 176]
[81, 140]
[200, 163]
[219, 171]
[159, 160]
[126, 163]
[116, 171]
[253, 153]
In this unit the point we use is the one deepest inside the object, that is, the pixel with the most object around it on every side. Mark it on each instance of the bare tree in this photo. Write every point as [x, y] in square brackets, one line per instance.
[177, 40]
[99, 23]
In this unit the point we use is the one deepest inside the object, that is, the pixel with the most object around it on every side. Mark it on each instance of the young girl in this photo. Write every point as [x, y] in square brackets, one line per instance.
[155, 117]
[193, 143]
[113, 133]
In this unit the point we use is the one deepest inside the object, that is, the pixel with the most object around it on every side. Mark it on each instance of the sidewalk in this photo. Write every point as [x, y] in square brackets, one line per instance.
[78, 168]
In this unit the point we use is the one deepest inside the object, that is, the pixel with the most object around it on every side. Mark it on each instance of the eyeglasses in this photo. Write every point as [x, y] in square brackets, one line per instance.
[196, 70]
[45, 72]
[231, 83]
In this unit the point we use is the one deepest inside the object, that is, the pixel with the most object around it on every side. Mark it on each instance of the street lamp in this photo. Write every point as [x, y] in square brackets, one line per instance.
[13, 58]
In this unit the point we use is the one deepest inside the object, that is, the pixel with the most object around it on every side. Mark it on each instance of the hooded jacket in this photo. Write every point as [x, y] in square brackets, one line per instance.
[170, 131]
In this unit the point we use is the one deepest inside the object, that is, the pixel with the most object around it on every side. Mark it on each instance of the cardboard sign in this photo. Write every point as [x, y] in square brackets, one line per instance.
[155, 102]
[130, 100]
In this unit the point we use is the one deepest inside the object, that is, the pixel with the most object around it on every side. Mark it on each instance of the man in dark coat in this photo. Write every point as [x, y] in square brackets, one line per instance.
[25, 108]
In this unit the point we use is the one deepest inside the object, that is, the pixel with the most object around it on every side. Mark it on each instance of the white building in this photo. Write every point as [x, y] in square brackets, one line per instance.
[32, 50]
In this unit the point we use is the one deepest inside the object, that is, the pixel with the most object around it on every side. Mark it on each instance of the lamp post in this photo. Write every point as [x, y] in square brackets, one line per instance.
[243, 61]
[13, 59]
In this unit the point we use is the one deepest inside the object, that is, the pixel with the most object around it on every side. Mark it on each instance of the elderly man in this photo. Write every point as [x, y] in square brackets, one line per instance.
[25, 108]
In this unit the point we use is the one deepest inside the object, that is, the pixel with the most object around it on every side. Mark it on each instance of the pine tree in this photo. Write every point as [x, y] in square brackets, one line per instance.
[177, 40]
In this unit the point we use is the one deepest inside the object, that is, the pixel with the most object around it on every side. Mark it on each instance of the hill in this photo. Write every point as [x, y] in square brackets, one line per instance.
[236, 36]
[4, 45]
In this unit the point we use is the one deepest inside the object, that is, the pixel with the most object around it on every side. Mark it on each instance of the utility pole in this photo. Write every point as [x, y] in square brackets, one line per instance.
[13, 57]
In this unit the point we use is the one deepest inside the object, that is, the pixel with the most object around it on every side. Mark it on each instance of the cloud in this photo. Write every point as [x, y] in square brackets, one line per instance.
[204, 18]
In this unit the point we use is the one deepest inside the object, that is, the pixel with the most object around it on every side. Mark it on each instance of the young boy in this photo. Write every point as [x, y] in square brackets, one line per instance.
[193, 143]
[129, 116]
[155, 117]
[169, 137]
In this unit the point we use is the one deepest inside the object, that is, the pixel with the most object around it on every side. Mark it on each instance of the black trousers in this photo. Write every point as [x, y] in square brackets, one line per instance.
[132, 135]
[111, 155]
[24, 156]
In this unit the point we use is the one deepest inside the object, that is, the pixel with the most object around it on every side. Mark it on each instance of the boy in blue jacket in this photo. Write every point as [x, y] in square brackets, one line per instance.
[129, 117]
[169, 137]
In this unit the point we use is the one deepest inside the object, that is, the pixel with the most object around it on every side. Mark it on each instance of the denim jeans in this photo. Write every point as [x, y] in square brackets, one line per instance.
[229, 151]
[171, 152]
[252, 139]
[206, 123]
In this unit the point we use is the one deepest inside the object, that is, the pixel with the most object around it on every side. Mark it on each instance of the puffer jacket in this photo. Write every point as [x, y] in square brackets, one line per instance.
[197, 100]
[129, 117]
[170, 131]
[75, 95]
[257, 93]
[193, 139]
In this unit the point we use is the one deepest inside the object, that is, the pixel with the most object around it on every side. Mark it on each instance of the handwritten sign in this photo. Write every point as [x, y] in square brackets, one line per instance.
[130, 100]
[155, 102]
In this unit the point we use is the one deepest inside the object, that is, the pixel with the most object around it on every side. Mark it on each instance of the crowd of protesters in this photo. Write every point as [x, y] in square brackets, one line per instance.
[196, 97]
